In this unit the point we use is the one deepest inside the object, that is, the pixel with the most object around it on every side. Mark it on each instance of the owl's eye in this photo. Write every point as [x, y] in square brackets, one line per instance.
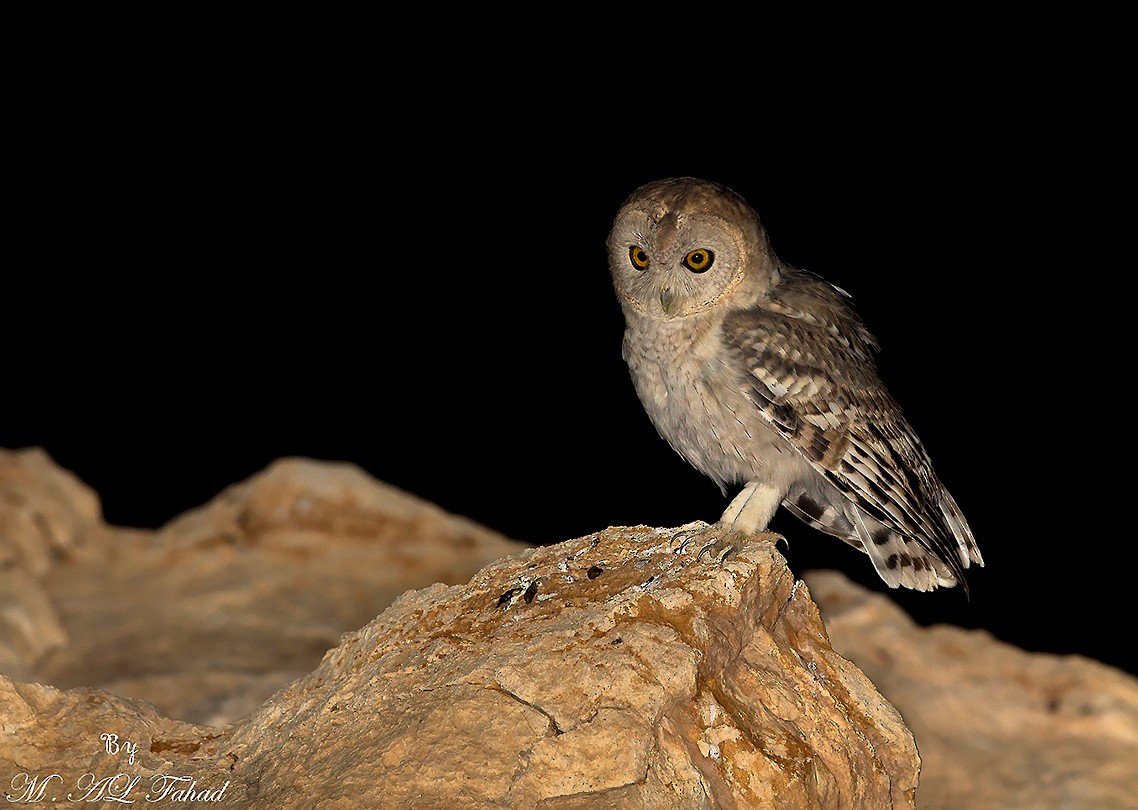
[638, 257]
[699, 261]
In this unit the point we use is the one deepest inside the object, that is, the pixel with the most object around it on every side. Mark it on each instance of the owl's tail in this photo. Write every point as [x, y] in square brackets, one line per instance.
[900, 560]
[966, 543]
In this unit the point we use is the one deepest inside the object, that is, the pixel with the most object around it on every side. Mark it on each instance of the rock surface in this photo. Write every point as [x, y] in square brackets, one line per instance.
[607, 671]
[44, 511]
[208, 616]
[603, 672]
[997, 727]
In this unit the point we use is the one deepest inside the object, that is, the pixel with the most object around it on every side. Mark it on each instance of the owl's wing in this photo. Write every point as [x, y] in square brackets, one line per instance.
[808, 367]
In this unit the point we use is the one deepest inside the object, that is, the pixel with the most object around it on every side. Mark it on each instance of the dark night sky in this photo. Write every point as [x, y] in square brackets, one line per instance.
[209, 285]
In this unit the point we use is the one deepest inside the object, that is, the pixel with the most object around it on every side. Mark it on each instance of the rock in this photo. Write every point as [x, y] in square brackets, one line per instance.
[607, 671]
[89, 747]
[210, 615]
[614, 674]
[997, 727]
[44, 513]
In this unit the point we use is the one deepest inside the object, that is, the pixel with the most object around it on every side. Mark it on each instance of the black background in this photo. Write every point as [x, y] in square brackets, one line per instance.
[211, 272]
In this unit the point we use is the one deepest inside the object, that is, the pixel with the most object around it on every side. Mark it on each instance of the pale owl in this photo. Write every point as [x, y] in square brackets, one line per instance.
[762, 374]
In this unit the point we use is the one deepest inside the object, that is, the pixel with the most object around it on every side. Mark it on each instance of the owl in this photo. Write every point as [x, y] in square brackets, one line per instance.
[762, 374]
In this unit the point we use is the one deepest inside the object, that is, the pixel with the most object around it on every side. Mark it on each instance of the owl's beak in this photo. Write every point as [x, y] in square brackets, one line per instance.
[668, 300]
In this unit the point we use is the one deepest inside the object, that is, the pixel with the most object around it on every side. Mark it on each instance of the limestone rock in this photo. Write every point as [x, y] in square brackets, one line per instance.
[997, 727]
[603, 672]
[210, 615]
[608, 671]
[86, 747]
[44, 513]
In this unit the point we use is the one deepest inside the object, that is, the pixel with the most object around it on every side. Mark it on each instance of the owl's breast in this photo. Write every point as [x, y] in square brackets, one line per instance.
[697, 400]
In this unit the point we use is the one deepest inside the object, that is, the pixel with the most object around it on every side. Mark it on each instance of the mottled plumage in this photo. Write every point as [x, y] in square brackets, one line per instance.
[763, 375]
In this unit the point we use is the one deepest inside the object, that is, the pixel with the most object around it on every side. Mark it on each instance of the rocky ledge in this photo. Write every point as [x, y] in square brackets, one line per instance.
[613, 670]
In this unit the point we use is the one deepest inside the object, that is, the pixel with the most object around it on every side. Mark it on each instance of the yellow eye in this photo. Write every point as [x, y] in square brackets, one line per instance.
[638, 257]
[699, 261]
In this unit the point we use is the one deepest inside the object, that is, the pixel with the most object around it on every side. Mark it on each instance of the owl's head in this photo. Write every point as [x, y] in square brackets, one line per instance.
[682, 245]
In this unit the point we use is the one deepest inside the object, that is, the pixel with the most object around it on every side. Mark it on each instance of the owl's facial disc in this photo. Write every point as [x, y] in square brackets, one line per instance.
[670, 265]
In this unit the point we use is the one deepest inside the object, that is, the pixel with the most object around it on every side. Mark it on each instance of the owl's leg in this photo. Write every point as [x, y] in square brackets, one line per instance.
[753, 508]
[748, 514]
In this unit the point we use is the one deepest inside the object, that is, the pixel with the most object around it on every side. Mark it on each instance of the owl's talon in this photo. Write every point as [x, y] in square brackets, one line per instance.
[713, 549]
[685, 535]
